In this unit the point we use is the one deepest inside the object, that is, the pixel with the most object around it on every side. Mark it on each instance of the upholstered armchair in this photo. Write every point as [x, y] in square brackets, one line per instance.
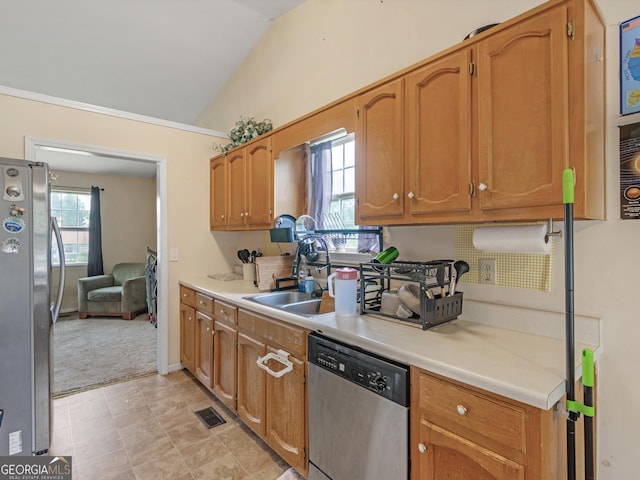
[122, 294]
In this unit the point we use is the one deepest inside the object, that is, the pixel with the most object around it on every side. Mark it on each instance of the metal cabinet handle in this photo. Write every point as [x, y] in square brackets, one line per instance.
[410, 195]
[462, 410]
[396, 196]
[280, 356]
[422, 448]
[472, 189]
[482, 186]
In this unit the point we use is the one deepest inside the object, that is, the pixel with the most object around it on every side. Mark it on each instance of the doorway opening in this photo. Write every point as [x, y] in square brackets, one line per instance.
[134, 226]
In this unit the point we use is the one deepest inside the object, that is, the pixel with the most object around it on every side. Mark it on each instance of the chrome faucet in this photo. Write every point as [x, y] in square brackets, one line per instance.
[303, 246]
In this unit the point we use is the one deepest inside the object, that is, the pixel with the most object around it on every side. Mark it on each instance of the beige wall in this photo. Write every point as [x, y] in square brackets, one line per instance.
[325, 49]
[187, 162]
[128, 215]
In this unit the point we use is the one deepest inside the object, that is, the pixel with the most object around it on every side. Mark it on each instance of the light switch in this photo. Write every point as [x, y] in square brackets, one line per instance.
[173, 254]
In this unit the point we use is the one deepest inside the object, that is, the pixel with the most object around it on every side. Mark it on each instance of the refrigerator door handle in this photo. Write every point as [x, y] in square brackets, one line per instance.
[55, 308]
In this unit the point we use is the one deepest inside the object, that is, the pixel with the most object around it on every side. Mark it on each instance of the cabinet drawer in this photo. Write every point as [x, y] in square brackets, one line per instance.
[473, 415]
[204, 303]
[225, 312]
[187, 296]
[289, 337]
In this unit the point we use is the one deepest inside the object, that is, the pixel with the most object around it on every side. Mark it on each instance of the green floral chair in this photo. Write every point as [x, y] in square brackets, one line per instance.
[121, 294]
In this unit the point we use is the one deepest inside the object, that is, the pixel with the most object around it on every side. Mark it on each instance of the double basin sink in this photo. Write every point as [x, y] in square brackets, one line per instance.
[293, 301]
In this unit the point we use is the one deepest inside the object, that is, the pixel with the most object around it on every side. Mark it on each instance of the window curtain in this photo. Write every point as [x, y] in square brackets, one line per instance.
[94, 266]
[321, 182]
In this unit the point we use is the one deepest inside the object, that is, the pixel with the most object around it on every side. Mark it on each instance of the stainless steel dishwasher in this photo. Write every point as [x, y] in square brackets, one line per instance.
[358, 413]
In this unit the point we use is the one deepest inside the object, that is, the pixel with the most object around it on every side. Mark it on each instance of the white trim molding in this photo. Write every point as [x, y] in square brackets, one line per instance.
[39, 97]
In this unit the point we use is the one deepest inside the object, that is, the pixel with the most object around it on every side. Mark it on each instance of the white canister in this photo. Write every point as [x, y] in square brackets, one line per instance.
[248, 272]
[345, 291]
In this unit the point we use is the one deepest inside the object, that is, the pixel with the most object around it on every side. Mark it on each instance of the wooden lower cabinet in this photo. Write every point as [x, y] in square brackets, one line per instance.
[274, 407]
[225, 353]
[225, 363]
[251, 383]
[188, 337]
[461, 432]
[188, 328]
[444, 454]
[204, 349]
[286, 413]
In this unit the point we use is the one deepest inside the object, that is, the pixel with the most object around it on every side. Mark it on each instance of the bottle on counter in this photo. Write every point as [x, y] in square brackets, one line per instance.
[345, 291]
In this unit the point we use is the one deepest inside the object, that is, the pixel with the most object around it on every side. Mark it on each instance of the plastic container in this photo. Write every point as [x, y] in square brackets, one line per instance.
[345, 291]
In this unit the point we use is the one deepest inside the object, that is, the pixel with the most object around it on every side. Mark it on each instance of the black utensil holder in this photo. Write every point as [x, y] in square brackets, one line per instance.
[433, 311]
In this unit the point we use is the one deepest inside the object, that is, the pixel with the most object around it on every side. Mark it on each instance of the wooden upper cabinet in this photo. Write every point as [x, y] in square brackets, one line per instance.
[218, 193]
[237, 182]
[259, 194]
[242, 188]
[438, 165]
[379, 153]
[523, 128]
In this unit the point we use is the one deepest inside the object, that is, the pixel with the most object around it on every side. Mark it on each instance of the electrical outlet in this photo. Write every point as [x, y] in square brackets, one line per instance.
[488, 271]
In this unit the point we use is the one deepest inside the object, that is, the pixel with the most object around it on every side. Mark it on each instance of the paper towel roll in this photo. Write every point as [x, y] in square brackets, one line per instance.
[517, 239]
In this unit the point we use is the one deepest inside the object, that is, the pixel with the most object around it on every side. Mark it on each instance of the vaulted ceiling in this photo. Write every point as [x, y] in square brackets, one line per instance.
[161, 58]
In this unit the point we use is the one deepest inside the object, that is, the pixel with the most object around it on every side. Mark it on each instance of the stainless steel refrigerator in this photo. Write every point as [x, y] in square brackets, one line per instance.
[26, 314]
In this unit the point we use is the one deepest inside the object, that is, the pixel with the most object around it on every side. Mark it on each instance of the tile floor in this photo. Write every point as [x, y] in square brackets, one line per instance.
[145, 429]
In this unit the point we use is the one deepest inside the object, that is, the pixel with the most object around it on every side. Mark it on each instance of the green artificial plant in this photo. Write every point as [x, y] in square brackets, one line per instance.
[245, 129]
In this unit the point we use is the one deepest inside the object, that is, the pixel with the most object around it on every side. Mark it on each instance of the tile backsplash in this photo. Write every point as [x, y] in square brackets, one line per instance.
[530, 271]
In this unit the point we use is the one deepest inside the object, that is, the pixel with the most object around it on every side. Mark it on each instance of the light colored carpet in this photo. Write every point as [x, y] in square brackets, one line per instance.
[98, 351]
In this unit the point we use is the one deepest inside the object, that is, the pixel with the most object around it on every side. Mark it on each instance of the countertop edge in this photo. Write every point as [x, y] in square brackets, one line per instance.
[367, 332]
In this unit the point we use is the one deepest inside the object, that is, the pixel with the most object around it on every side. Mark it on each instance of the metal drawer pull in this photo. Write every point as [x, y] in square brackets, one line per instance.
[422, 448]
[280, 356]
[462, 410]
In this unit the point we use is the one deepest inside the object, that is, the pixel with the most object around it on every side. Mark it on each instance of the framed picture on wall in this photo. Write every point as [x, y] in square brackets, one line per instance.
[630, 66]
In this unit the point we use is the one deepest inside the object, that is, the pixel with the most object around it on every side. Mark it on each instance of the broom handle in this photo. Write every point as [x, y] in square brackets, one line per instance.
[568, 198]
[588, 374]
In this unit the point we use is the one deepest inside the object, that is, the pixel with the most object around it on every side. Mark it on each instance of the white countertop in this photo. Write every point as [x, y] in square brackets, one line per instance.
[522, 366]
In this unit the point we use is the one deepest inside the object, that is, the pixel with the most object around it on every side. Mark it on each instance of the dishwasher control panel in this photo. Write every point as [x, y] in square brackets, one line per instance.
[379, 375]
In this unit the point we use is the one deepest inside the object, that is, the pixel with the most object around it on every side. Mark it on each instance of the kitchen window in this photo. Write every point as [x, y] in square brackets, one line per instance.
[332, 188]
[343, 171]
[71, 209]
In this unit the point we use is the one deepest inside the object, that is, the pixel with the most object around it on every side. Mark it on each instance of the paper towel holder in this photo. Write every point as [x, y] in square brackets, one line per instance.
[550, 232]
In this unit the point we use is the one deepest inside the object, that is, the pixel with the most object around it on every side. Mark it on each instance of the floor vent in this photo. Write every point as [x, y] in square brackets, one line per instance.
[209, 417]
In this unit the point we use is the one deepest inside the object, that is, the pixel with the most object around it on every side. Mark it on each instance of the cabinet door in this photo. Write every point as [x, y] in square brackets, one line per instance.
[218, 194]
[237, 180]
[204, 348]
[224, 364]
[523, 113]
[251, 383]
[286, 416]
[442, 454]
[380, 154]
[260, 184]
[438, 166]
[188, 337]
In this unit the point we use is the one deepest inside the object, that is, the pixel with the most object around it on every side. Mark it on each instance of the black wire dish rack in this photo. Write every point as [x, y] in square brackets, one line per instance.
[432, 279]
